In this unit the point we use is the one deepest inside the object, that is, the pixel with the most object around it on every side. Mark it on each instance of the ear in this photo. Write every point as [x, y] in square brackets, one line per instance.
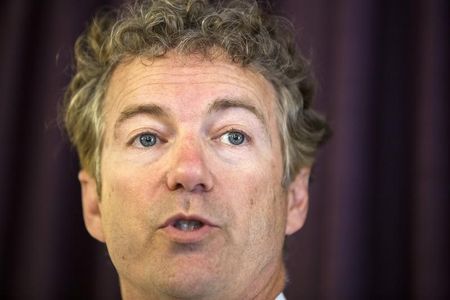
[297, 201]
[91, 205]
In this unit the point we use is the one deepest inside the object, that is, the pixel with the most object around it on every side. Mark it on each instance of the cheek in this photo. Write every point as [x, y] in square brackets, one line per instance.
[261, 223]
[124, 182]
[260, 203]
[124, 222]
[122, 204]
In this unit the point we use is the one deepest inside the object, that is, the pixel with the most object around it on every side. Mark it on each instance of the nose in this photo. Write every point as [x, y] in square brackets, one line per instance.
[188, 169]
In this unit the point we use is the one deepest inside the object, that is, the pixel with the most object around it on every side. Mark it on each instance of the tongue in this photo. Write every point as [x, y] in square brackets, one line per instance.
[188, 225]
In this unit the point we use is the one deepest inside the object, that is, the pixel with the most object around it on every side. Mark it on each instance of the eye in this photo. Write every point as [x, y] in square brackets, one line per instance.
[233, 137]
[147, 139]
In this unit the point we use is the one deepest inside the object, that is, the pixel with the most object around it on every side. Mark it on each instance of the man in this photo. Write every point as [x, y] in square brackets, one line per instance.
[196, 138]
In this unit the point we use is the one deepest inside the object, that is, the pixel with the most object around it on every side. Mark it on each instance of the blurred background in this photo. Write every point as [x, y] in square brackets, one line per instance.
[378, 222]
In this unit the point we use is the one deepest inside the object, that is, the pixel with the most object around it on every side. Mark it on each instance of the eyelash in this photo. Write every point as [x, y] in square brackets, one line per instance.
[135, 140]
[232, 130]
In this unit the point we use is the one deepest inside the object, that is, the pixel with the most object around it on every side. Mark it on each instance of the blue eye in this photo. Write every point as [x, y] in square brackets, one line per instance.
[234, 138]
[147, 139]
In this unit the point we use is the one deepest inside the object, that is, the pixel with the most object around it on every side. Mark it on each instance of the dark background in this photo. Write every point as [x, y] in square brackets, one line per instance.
[378, 222]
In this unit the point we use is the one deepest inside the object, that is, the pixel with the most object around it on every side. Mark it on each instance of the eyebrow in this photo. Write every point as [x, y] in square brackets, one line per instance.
[157, 111]
[145, 109]
[224, 104]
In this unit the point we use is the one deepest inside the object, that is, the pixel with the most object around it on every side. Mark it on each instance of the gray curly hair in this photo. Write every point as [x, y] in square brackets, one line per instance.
[241, 29]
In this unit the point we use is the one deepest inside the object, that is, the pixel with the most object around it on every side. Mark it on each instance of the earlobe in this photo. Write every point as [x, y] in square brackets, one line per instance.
[91, 205]
[297, 201]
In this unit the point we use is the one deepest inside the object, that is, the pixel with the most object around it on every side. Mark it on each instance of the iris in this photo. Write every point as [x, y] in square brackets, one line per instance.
[147, 139]
[236, 138]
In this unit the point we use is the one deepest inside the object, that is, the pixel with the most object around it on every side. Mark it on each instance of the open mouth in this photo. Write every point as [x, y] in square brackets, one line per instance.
[188, 225]
[188, 229]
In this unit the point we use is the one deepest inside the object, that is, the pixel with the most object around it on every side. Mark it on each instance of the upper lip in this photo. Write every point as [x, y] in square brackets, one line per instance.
[171, 220]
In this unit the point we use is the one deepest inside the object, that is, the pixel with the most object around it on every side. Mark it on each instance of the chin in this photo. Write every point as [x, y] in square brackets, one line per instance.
[190, 283]
[187, 277]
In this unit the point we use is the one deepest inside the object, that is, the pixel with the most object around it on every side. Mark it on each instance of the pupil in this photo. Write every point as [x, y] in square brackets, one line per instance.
[236, 138]
[147, 140]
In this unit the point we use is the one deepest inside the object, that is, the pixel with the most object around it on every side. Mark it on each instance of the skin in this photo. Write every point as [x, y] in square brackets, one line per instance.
[191, 105]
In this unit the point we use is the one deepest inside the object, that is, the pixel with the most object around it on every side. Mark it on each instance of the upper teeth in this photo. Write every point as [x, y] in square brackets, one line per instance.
[187, 225]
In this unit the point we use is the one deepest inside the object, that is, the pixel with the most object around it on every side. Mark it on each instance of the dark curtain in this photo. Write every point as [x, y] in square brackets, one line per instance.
[377, 226]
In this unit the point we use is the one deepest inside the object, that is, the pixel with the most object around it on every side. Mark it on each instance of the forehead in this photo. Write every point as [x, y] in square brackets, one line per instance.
[186, 83]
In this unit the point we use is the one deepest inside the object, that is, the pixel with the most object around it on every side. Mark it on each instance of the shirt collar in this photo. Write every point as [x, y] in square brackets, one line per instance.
[280, 297]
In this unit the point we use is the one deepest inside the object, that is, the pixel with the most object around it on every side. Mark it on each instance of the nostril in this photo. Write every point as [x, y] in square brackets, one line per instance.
[178, 186]
[189, 172]
[199, 188]
[193, 187]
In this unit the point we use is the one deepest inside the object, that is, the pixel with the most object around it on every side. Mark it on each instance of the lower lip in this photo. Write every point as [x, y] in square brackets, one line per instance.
[187, 237]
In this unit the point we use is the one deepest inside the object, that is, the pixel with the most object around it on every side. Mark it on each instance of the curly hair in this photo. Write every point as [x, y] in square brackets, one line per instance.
[242, 30]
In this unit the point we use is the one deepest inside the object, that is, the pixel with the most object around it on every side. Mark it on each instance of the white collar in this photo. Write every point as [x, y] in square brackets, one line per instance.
[280, 297]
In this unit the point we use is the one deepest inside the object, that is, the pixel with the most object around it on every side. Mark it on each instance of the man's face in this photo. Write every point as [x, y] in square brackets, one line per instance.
[191, 200]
